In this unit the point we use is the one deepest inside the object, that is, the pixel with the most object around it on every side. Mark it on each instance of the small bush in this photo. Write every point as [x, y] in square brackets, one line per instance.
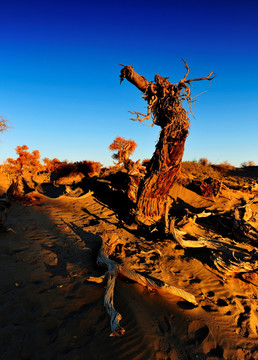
[224, 167]
[90, 168]
[247, 163]
[65, 169]
[204, 161]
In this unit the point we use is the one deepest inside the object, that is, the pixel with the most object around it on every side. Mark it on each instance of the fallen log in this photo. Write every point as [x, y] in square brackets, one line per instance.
[113, 270]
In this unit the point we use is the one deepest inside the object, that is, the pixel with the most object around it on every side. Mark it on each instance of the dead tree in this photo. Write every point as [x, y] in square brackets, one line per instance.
[165, 107]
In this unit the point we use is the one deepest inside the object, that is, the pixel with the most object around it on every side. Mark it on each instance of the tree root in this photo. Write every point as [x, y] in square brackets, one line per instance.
[228, 257]
[113, 270]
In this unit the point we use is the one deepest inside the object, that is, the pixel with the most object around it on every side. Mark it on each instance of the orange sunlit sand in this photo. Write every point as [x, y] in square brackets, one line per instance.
[57, 217]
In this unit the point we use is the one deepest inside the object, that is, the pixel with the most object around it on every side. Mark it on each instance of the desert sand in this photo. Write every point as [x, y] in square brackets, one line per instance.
[49, 309]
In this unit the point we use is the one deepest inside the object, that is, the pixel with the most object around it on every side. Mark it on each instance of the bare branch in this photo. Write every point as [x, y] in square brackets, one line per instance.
[208, 77]
[187, 71]
[133, 77]
[152, 101]
[3, 124]
[138, 114]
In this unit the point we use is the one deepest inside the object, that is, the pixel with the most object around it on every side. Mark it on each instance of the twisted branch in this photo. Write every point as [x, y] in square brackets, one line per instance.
[113, 270]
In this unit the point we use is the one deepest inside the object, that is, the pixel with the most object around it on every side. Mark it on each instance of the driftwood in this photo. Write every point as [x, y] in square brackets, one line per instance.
[242, 229]
[229, 257]
[114, 269]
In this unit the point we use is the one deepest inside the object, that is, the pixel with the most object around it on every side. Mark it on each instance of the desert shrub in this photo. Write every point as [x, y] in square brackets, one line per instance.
[204, 161]
[65, 169]
[90, 168]
[195, 170]
[224, 167]
[247, 163]
[124, 148]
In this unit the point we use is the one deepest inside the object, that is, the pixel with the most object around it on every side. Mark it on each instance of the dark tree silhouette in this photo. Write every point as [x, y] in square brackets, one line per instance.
[165, 107]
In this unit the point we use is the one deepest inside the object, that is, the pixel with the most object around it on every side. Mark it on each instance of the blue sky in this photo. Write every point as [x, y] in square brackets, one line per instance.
[59, 75]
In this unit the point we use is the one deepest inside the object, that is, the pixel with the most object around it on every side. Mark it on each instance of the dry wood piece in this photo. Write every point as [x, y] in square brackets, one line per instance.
[136, 173]
[242, 229]
[229, 258]
[165, 106]
[113, 270]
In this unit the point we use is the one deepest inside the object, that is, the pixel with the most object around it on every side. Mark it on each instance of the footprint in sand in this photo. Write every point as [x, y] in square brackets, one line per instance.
[202, 339]
[222, 303]
[169, 345]
[186, 305]
[209, 308]
[243, 322]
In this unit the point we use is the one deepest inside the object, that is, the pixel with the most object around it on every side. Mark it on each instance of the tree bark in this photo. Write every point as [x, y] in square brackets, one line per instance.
[165, 105]
[162, 172]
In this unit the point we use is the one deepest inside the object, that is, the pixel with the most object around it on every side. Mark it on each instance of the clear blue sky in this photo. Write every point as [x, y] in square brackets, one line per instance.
[59, 75]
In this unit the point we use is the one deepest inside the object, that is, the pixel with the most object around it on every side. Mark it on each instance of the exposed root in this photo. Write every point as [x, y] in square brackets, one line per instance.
[113, 270]
[229, 258]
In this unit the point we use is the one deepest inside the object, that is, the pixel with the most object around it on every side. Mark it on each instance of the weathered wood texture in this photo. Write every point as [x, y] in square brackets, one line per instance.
[113, 270]
[228, 256]
[165, 106]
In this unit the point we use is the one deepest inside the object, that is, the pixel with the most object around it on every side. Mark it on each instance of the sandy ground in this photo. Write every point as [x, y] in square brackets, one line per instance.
[50, 311]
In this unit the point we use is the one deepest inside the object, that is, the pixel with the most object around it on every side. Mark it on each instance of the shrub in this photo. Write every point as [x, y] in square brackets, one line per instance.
[247, 163]
[204, 161]
[224, 167]
[90, 168]
[65, 169]
[3, 124]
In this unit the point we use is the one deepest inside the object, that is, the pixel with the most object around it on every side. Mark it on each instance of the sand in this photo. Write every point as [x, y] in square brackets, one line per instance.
[49, 310]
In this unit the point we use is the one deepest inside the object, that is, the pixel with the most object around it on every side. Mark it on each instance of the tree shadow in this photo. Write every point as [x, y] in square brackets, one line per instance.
[71, 254]
[112, 192]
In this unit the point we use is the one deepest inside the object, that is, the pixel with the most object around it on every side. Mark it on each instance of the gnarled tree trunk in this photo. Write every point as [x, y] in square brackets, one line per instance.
[162, 172]
[165, 105]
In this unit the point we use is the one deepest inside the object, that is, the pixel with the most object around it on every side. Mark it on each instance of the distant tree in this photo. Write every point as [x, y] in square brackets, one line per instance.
[124, 148]
[3, 124]
[51, 165]
[26, 162]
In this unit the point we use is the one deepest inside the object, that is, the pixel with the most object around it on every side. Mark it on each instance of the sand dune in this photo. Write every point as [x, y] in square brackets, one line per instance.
[50, 311]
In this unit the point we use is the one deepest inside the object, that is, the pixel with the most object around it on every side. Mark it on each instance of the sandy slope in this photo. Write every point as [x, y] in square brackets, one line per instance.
[50, 311]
